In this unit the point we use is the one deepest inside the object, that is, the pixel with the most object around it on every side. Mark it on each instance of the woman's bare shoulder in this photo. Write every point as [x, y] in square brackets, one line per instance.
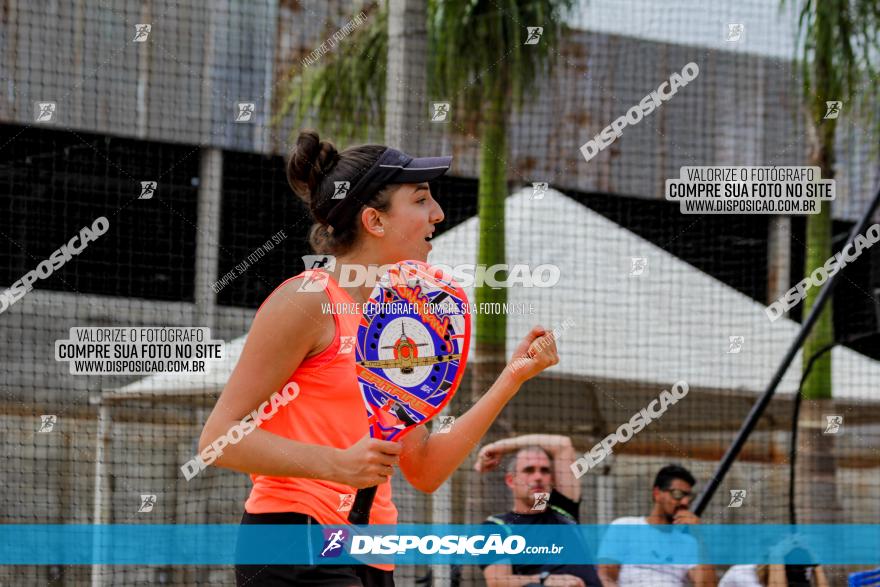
[296, 307]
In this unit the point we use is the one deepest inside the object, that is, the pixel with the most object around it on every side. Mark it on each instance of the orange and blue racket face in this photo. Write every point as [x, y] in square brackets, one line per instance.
[412, 346]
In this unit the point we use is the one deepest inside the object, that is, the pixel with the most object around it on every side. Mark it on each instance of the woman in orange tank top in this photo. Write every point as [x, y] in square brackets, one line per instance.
[311, 450]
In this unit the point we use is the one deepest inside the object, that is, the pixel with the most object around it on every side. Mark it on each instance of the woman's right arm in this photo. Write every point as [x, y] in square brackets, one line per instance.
[284, 331]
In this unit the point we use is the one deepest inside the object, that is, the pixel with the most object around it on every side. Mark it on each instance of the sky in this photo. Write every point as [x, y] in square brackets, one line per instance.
[769, 30]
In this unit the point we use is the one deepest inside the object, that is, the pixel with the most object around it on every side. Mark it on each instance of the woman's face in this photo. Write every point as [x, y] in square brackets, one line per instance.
[410, 222]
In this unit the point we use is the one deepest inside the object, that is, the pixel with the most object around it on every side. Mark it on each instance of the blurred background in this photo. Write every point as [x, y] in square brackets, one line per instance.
[206, 102]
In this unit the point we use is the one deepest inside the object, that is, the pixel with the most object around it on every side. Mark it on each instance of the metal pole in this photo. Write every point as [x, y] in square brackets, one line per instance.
[98, 512]
[759, 407]
[208, 236]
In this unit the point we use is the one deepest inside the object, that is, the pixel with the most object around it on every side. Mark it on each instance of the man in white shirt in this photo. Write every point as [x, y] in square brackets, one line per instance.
[672, 495]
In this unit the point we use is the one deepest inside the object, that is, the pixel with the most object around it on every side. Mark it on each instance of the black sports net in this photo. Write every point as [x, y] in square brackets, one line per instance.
[177, 135]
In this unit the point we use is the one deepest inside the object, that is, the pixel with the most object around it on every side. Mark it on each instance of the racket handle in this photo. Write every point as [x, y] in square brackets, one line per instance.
[363, 503]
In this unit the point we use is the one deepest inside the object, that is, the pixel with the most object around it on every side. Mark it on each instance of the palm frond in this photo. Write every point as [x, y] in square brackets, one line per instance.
[345, 90]
[477, 46]
[476, 50]
[840, 42]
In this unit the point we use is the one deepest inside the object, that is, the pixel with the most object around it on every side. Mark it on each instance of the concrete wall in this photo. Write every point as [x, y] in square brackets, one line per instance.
[30, 328]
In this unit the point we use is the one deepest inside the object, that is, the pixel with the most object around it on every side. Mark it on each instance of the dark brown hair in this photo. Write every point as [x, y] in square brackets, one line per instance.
[312, 169]
[511, 461]
[669, 473]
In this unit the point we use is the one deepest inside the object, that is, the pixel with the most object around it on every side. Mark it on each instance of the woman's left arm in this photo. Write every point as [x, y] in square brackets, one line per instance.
[428, 459]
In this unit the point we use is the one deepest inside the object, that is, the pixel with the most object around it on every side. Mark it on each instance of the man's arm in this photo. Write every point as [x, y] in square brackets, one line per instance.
[703, 576]
[609, 574]
[559, 447]
[819, 578]
[776, 577]
[502, 576]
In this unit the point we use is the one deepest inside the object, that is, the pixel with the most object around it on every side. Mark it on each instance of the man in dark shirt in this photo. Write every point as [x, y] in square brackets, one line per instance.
[540, 465]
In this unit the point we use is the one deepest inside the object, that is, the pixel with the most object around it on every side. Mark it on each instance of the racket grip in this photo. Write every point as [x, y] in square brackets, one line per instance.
[363, 503]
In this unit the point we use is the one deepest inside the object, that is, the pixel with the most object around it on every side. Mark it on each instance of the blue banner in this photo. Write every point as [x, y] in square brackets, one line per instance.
[166, 544]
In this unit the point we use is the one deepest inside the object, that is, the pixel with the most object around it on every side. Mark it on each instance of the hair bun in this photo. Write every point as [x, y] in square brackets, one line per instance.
[312, 160]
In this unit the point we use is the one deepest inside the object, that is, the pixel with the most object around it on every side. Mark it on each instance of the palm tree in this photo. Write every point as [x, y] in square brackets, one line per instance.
[343, 90]
[478, 55]
[838, 37]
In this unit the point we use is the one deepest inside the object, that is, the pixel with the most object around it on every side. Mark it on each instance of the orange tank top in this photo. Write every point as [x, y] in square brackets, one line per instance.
[329, 410]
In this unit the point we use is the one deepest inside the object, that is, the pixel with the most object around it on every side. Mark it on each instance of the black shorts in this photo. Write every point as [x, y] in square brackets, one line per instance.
[308, 575]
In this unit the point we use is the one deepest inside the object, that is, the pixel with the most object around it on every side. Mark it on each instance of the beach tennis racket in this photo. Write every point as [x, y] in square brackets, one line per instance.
[411, 348]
